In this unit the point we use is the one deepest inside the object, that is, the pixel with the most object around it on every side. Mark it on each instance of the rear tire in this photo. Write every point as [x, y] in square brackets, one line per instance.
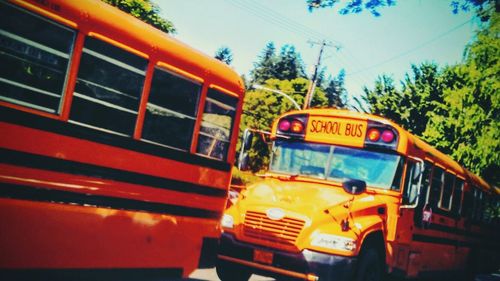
[231, 272]
[370, 267]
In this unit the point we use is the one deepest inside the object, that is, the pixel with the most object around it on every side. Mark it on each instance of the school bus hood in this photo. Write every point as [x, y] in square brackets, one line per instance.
[296, 196]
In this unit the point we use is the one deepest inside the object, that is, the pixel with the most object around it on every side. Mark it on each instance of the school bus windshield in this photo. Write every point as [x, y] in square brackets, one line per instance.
[336, 163]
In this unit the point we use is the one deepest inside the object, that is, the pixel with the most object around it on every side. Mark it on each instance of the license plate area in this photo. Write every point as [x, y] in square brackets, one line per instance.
[264, 257]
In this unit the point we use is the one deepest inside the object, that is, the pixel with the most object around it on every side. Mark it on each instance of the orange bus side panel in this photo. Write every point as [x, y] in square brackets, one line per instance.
[52, 235]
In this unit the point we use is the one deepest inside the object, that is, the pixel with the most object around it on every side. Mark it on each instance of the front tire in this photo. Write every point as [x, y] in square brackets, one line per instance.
[231, 272]
[370, 267]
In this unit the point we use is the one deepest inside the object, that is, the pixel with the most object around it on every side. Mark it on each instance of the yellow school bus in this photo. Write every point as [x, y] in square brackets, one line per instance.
[352, 196]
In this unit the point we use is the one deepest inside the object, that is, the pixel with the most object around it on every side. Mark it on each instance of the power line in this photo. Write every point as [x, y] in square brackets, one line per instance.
[402, 54]
[271, 15]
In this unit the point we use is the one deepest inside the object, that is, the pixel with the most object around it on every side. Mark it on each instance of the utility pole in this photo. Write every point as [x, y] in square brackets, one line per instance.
[312, 84]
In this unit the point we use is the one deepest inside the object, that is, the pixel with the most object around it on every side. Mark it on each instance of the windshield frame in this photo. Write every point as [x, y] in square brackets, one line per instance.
[394, 172]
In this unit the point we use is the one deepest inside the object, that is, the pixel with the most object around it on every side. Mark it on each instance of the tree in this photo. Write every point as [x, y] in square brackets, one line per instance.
[264, 68]
[146, 11]
[335, 91]
[468, 124]
[455, 108]
[289, 64]
[352, 6]
[261, 108]
[357, 6]
[224, 54]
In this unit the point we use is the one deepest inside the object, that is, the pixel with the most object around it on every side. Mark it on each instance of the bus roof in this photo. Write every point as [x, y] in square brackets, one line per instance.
[410, 140]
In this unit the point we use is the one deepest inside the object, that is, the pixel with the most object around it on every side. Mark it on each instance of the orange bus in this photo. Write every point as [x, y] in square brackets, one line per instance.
[117, 143]
[352, 196]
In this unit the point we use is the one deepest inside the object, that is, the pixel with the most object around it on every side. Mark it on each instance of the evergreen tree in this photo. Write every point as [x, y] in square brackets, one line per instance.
[264, 69]
[335, 91]
[289, 64]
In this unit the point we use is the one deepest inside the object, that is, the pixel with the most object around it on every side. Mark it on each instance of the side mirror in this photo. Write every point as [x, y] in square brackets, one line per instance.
[413, 184]
[247, 140]
[354, 187]
[244, 158]
[243, 162]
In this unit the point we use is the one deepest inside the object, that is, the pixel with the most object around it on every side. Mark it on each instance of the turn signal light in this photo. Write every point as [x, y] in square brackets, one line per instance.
[373, 134]
[297, 127]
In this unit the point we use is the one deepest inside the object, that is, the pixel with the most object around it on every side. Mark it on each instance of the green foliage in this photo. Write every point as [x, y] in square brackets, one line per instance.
[262, 107]
[468, 126]
[287, 65]
[357, 6]
[224, 54]
[335, 91]
[146, 11]
[264, 69]
[243, 178]
[352, 6]
[456, 108]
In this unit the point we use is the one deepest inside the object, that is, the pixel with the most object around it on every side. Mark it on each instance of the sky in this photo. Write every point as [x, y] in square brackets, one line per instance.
[365, 46]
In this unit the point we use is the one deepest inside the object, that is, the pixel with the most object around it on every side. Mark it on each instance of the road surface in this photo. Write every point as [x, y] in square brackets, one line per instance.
[211, 275]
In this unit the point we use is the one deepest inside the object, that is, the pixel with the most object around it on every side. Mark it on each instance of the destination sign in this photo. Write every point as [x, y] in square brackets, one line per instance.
[336, 131]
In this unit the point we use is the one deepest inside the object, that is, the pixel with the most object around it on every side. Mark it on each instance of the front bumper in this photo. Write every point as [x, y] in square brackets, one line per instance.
[306, 265]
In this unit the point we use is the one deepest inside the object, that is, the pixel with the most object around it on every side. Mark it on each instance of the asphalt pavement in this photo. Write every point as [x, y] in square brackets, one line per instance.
[211, 275]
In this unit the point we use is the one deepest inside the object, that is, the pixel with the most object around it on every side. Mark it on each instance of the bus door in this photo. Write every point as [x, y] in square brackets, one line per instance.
[407, 259]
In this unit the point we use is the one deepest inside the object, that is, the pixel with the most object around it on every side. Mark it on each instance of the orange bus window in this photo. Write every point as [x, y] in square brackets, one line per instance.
[218, 118]
[34, 55]
[108, 88]
[171, 110]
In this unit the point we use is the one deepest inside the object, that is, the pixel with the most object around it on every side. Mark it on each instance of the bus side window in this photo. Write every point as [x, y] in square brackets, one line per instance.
[108, 88]
[396, 184]
[216, 126]
[171, 110]
[34, 59]
[476, 213]
[468, 204]
[411, 183]
[436, 186]
[488, 209]
[447, 191]
[457, 196]
[424, 190]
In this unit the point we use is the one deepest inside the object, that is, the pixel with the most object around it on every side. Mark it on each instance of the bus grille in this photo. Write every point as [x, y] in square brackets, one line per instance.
[284, 231]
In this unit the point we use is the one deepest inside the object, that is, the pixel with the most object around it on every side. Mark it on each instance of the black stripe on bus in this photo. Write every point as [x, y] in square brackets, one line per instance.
[452, 230]
[72, 130]
[81, 274]
[441, 240]
[77, 168]
[459, 231]
[67, 197]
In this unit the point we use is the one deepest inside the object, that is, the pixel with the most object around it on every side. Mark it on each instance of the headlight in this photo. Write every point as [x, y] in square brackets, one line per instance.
[334, 242]
[227, 221]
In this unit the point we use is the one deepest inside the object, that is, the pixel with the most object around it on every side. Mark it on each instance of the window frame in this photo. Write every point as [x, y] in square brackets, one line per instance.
[114, 62]
[170, 70]
[447, 175]
[62, 96]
